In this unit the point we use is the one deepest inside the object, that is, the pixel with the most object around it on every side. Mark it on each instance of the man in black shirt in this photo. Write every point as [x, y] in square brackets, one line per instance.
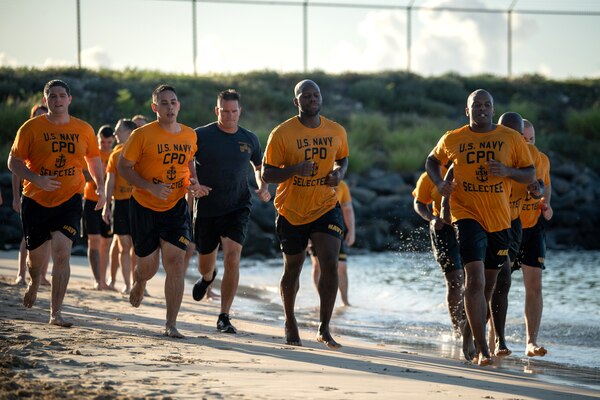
[224, 151]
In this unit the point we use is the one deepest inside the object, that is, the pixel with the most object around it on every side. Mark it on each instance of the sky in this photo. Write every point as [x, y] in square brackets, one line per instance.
[233, 37]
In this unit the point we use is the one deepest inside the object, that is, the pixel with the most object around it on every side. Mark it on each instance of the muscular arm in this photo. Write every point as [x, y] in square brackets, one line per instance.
[348, 213]
[97, 172]
[272, 174]
[432, 166]
[339, 171]
[16, 189]
[263, 187]
[111, 180]
[423, 210]
[522, 175]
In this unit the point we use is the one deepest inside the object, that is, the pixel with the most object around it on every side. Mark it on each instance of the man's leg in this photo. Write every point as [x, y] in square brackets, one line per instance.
[343, 281]
[328, 250]
[534, 305]
[104, 258]
[499, 309]
[22, 262]
[114, 262]
[61, 272]
[144, 271]
[476, 308]
[172, 258]
[94, 257]
[124, 245]
[455, 298]
[35, 260]
[315, 271]
[232, 252]
[288, 287]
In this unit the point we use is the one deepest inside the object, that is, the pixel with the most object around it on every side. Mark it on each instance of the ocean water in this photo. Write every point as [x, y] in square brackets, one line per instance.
[398, 298]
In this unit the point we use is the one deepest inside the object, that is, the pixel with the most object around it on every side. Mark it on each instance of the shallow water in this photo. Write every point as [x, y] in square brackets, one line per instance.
[399, 299]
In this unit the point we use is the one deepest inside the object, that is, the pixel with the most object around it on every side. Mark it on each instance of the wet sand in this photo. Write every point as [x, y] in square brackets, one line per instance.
[117, 351]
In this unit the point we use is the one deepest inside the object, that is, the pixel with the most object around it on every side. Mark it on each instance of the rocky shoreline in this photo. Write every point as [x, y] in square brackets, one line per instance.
[385, 220]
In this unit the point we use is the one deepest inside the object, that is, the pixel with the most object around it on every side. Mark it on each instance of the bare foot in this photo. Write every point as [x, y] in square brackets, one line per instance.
[534, 350]
[502, 352]
[45, 282]
[174, 333]
[21, 281]
[211, 295]
[326, 338]
[292, 336]
[111, 287]
[97, 286]
[58, 320]
[30, 294]
[483, 361]
[469, 348]
[137, 293]
[125, 290]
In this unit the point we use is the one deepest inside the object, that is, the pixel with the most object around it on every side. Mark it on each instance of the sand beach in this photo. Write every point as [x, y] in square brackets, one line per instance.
[115, 351]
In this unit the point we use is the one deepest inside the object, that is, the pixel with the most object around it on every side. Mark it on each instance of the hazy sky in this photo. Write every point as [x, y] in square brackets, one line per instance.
[157, 35]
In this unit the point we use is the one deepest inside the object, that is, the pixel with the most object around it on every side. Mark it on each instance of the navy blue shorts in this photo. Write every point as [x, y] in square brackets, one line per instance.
[476, 244]
[120, 217]
[293, 239]
[533, 247]
[209, 230]
[39, 221]
[93, 224]
[516, 236]
[445, 248]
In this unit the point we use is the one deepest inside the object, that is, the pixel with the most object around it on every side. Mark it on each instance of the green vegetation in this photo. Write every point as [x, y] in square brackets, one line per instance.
[393, 119]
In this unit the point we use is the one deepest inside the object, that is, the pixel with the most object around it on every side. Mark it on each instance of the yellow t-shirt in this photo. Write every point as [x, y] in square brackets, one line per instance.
[303, 199]
[425, 192]
[478, 195]
[161, 157]
[89, 191]
[59, 150]
[123, 188]
[530, 207]
[342, 192]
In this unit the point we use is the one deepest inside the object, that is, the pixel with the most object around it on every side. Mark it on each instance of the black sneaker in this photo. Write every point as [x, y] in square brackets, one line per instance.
[224, 325]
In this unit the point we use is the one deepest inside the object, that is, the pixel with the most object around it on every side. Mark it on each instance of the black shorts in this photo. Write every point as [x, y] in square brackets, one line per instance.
[120, 217]
[515, 235]
[478, 245]
[445, 248]
[294, 238]
[208, 231]
[39, 221]
[93, 224]
[533, 247]
[149, 226]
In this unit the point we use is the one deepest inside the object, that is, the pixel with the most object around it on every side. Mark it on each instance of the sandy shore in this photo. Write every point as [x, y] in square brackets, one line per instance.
[116, 351]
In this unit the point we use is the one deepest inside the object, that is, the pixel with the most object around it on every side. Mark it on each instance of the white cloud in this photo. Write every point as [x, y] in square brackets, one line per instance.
[544, 70]
[52, 62]
[95, 58]
[7, 61]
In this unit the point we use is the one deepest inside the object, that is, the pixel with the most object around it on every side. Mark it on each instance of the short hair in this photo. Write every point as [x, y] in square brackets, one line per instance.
[162, 88]
[54, 83]
[138, 116]
[229, 94]
[127, 123]
[106, 131]
[512, 120]
[303, 83]
[527, 123]
[36, 108]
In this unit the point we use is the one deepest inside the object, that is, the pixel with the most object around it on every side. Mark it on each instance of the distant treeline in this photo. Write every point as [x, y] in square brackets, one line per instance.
[393, 119]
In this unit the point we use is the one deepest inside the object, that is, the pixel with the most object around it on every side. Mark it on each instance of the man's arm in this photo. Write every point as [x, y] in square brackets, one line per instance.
[272, 174]
[111, 181]
[125, 169]
[522, 175]
[195, 189]
[263, 187]
[432, 166]
[547, 210]
[46, 182]
[348, 213]
[339, 171]
[16, 189]
[97, 172]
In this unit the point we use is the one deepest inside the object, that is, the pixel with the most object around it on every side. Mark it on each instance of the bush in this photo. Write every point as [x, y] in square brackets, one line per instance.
[585, 123]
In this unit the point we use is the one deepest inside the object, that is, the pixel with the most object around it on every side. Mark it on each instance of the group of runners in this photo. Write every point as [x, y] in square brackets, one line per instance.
[160, 168]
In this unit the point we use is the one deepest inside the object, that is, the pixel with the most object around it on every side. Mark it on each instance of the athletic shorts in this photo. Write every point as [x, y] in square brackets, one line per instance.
[515, 235]
[533, 247]
[343, 251]
[93, 224]
[120, 217]
[149, 226]
[445, 248]
[39, 221]
[293, 239]
[476, 244]
[208, 231]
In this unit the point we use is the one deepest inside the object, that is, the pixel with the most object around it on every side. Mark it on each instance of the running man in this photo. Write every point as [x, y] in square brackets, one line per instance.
[532, 254]
[485, 156]
[307, 156]
[99, 234]
[225, 150]
[50, 153]
[119, 190]
[345, 199]
[158, 161]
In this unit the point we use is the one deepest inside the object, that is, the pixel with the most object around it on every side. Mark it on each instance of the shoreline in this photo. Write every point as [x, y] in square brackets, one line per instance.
[116, 351]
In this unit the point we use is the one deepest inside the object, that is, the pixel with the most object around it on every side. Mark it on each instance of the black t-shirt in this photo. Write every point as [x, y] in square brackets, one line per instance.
[222, 162]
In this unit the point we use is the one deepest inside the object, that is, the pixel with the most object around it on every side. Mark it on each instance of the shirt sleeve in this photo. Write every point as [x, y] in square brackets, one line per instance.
[439, 151]
[422, 192]
[275, 150]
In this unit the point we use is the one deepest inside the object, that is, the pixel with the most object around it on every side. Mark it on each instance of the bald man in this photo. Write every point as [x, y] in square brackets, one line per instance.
[484, 157]
[307, 156]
